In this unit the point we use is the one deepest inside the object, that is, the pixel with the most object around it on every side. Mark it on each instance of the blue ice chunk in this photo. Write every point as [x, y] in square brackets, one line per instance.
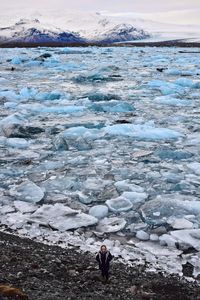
[28, 93]
[53, 95]
[16, 61]
[166, 88]
[142, 132]
[112, 106]
[173, 101]
[175, 155]
[184, 82]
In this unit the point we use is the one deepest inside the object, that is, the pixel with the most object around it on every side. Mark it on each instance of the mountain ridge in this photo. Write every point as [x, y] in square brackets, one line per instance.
[33, 31]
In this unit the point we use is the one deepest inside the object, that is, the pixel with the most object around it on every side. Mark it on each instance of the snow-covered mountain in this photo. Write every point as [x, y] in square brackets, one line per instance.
[102, 30]
[32, 31]
[122, 32]
[88, 27]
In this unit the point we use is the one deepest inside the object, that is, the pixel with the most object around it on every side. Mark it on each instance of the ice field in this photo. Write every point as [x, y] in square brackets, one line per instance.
[103, 145]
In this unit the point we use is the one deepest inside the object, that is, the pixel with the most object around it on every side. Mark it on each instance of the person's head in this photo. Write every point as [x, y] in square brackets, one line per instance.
[103, 248]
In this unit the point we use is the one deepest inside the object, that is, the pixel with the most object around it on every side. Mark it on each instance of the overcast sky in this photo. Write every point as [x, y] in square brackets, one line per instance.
[178, 11]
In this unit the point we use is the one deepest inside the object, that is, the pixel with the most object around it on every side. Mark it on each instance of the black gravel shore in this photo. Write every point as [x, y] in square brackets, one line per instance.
[46, 272]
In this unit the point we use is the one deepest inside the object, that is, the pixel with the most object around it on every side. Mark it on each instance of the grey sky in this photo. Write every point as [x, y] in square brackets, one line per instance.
[189, 9]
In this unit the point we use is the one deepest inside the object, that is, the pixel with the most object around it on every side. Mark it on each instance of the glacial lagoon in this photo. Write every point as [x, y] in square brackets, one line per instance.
[103, 145]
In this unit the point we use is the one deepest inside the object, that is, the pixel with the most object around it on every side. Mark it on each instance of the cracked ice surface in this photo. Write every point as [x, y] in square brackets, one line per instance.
[103, 146]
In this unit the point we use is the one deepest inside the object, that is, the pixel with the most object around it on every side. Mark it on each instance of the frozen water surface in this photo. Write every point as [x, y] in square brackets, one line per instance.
[102, 145]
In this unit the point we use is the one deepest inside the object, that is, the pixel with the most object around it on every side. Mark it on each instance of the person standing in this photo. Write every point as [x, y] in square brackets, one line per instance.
[104, 257]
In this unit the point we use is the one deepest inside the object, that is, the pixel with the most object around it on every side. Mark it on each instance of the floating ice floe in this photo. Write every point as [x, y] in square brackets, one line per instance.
[112, 106]
[99, 211]
[73, 222]
[167, 88]
[168, 240]
[27, 191]
[157, 249]
[137, 199]
[119, 204]
[142, 235]
[191, 237]
[14, 220]
[142, 132]
[16, 60]
[181, 223]
[17, 143]
[16, 118]
[98, 96]
[96, 77]
[9, 95]
[169, 100]
[53, 95]
[60, 143]
[24, 207]
[173, 154]
[59, 183]
[185, 82]
[81, 131]
[113, 224]
[61, 217]
[178, 72]
[7, 209]
[38, 108]
[195, 167]
[126, 185]
[170, 208]
[194, 260]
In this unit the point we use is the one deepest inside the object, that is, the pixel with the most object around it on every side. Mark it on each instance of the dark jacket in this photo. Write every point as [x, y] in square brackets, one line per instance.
[104, 260]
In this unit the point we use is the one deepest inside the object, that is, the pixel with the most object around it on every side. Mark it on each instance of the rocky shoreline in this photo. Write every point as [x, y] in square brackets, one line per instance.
[53, 273]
